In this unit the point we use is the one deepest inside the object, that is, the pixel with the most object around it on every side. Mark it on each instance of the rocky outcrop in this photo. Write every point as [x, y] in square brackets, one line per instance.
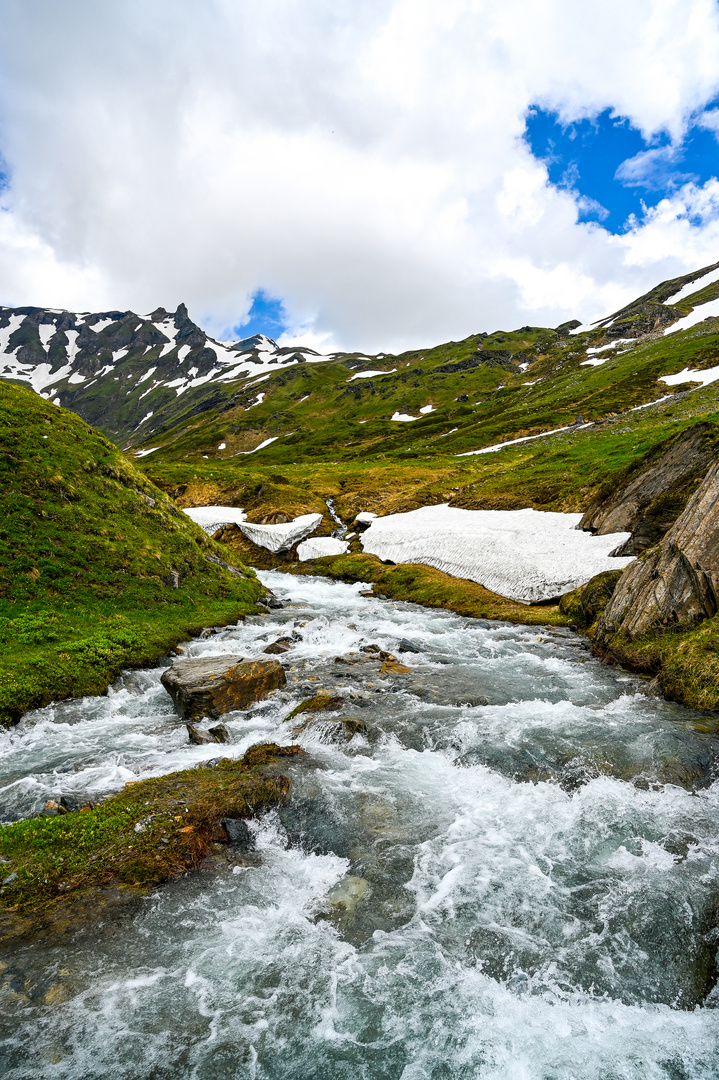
[653, 493]
[215, 685]
[676, 585]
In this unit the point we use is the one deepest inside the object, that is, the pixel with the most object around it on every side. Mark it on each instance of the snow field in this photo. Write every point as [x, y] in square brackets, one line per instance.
[319, 546]
[524, 555]
[709, 375]
[212, 518]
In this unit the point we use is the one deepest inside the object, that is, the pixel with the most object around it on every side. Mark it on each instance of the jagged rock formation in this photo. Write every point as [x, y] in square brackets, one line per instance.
[656, 490]
[676, 585]
[123, 372]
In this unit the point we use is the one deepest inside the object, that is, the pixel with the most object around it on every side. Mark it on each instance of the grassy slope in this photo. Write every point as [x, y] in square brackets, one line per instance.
[317, 415]
[83, 555]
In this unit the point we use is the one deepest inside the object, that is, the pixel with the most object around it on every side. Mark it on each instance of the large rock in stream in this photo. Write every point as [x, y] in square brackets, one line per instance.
[215, 685]
[675, 585]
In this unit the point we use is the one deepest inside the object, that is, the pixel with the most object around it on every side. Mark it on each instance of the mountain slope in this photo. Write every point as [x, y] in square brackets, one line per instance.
[159, 385]
[98, 568]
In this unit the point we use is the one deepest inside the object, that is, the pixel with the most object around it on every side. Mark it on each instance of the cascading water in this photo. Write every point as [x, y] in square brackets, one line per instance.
[513, 873]
[341, 531]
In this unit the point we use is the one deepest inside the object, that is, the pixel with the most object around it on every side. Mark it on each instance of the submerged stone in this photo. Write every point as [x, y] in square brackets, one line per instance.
[213, 686]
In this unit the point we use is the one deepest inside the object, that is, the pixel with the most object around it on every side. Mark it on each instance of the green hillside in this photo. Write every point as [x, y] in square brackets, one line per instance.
[90, 552]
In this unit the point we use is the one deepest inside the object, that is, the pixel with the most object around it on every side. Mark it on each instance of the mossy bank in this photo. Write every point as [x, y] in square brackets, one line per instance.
[153, 831]
[99, 570]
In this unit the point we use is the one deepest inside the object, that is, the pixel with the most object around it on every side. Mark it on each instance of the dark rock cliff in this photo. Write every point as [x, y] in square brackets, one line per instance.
[654, 492]
[675, 585]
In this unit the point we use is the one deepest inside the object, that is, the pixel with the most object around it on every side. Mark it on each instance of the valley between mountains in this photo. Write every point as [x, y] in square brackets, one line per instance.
[149, 472]
[616, 421]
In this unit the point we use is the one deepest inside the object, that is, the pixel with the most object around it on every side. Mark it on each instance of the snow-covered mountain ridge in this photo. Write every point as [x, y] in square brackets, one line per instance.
[63, 355]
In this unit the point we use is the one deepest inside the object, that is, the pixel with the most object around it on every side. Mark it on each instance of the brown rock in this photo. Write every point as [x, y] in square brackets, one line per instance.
[677, 583]
[212, 686]
[392, 667]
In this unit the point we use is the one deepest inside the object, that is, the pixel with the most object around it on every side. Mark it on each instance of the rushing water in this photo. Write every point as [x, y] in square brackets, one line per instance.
[514, 874]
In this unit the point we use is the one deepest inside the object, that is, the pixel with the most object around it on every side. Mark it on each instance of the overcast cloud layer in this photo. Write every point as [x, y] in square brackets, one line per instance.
[362, 161]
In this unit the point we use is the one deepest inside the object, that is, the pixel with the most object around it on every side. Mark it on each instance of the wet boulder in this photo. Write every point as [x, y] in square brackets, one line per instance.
[341, 730]
[200, 736]
[405, 645]
[276, 648]
[215, 685]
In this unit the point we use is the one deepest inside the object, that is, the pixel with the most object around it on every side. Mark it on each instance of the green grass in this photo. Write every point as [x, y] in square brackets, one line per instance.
[87, 546]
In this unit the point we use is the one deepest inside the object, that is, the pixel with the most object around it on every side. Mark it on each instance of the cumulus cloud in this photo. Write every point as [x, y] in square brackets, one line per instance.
[363, 162]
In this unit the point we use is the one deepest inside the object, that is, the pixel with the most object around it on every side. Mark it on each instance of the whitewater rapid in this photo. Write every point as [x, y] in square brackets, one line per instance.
[512, 876]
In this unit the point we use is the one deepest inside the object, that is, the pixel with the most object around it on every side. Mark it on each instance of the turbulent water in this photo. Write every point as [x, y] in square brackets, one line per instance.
[512, 871]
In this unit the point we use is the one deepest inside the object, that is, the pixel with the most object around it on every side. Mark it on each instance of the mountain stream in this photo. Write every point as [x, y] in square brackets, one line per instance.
[511, 872]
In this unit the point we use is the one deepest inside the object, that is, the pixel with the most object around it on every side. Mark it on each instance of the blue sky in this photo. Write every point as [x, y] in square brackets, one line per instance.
[266, 316]
[608, 163]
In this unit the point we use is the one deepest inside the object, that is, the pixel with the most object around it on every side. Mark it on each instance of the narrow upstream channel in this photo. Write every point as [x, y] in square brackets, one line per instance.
[513, 874]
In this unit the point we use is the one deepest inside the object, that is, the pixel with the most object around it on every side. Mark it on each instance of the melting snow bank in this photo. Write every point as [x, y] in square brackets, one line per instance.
[709, 375]
[525, 555]
[320, 546]
[212, 518]
[273, 537]
[281, 537]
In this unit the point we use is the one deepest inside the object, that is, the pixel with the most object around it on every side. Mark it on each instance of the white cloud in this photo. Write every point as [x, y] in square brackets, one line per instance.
[364, 162]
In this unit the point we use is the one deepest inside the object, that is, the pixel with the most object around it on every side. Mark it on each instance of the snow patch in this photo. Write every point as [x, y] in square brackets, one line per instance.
[319, 546]
[426, 409]
[100, 325]
[144, 453]
[694, 286]
[524, 555]
[611, 345]
[46, 331]
[525, 438]
[212, 518]
[699, 314]
[709, 375]
[278, 538]
[262, 444]
[369, 374]
[403, 417]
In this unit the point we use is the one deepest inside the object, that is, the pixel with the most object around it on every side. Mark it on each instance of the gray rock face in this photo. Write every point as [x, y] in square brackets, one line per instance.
[212, 686]
[652, 496]
[676, 584]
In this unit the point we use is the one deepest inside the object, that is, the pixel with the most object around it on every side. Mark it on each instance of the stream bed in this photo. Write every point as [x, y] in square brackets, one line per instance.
[510, 872]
